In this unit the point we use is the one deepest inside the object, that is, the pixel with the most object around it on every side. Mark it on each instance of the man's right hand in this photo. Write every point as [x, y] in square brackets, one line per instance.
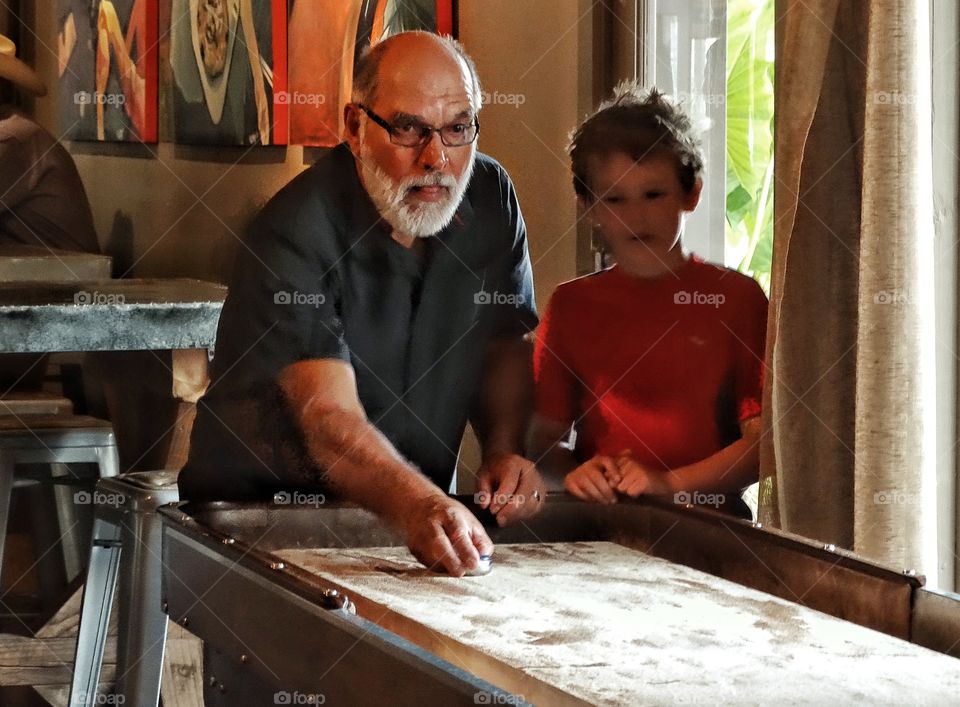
[443, 534]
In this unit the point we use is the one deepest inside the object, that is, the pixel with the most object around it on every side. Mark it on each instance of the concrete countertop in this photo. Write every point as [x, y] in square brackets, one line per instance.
[109, 315]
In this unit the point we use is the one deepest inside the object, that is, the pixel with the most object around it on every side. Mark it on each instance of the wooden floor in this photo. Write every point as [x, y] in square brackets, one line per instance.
[24, 607]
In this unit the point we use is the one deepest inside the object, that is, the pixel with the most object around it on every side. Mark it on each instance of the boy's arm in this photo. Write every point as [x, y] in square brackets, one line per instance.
[728, 470]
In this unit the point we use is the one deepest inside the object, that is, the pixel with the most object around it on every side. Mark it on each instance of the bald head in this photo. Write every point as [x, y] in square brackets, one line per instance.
[404, 60]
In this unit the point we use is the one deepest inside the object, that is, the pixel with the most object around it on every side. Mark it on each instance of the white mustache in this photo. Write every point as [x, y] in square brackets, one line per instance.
[437, 180]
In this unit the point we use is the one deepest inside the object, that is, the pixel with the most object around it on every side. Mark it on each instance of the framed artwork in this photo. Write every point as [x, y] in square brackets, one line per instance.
[108, 69]
[326, 38]
[224, 68]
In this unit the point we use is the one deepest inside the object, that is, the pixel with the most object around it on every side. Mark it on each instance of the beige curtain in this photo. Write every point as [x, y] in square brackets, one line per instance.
[847, 455]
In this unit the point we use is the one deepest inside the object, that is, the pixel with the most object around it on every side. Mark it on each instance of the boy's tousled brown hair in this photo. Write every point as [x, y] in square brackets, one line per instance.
[637, 123]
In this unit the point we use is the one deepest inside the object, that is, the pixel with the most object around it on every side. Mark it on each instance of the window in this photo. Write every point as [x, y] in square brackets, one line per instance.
[716, 57]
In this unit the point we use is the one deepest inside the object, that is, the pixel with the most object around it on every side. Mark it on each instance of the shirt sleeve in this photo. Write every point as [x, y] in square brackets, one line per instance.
[553, 378]
[282, 304]
[515, 308]
[750, 334]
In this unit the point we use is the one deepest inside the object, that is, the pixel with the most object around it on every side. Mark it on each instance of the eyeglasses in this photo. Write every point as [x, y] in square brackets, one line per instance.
[410, 133]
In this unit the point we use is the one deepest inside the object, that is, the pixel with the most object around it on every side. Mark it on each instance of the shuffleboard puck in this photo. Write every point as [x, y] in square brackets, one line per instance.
[483, 567]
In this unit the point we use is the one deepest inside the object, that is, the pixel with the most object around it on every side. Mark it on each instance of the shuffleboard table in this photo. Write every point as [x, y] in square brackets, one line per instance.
[642, 602]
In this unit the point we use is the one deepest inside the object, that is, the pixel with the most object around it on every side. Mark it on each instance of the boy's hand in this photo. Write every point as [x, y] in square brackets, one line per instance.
[634, 479]
[589, 480]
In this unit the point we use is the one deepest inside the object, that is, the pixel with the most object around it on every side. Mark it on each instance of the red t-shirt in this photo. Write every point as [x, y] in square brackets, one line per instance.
[666, 368]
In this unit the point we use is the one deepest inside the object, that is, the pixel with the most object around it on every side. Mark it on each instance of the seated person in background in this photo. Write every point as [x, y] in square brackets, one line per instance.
[657, 361]
[358, 334]
[42, 200]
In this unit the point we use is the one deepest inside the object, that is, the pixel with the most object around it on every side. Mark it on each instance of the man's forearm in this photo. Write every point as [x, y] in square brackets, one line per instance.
[360, 464]
[505, 399]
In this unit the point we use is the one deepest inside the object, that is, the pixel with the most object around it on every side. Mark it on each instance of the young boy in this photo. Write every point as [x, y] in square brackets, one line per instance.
[656, 361]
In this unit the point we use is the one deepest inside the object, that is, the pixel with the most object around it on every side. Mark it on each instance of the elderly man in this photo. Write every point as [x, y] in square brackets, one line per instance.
[380, 301]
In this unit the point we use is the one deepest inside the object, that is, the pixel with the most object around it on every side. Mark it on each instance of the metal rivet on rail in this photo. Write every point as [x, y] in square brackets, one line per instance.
[330, 593]
[830, 547]
[165, 606]
[277, 565]
[184, 621]
[213, 681]
[229, 541]
[758, 525]
[243, 658]
[910, 573]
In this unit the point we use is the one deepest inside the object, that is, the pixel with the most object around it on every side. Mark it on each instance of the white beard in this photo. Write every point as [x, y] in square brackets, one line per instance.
[423, 219]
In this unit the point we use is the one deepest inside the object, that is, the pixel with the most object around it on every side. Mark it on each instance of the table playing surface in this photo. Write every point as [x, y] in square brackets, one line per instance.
[600, 623]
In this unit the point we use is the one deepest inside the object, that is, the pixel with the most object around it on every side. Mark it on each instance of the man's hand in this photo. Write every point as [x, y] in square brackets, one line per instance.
[633, 479]
[511, 487]
[442, 533]
[589, 480]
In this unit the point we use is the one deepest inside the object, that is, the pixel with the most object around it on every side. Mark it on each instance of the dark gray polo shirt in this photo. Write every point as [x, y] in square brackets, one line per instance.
[320, 277]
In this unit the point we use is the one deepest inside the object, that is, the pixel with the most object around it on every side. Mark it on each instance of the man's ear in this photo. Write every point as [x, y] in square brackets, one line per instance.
[693, 196]
[351, 127]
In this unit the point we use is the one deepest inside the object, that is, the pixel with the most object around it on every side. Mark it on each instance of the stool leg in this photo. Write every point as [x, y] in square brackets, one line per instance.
[140, 645]
[6, 487]
[70, 533]
[109, 460]
[95, 611]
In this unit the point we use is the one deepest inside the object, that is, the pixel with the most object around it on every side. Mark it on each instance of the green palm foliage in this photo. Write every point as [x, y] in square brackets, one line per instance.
[749, 207]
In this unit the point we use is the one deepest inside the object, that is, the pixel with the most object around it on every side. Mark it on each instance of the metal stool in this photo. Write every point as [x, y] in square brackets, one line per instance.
[57, 440]
[126, 541]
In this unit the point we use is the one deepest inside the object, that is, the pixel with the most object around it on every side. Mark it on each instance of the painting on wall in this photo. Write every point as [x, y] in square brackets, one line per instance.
[224, 71]
[325, 39]
[107, 63]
